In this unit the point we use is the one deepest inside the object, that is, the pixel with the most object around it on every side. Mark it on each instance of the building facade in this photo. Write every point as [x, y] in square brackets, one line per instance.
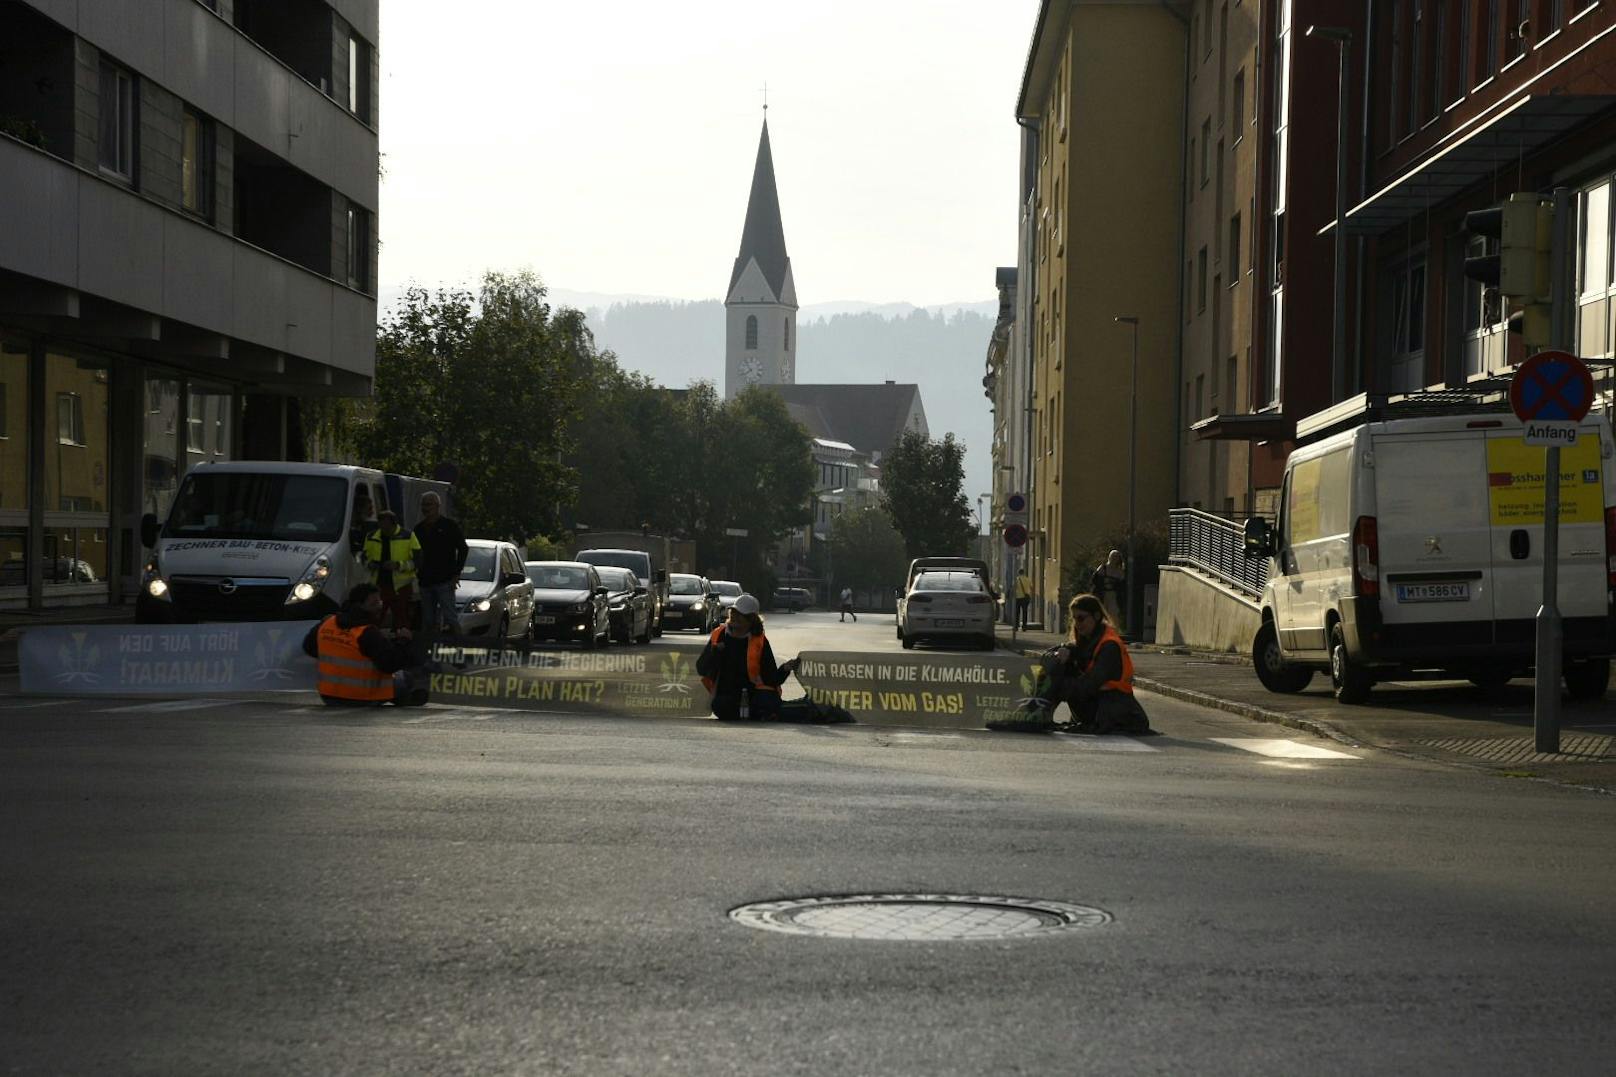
[760, 305]
[187, 240]
[1102, 107]
[1007, 385]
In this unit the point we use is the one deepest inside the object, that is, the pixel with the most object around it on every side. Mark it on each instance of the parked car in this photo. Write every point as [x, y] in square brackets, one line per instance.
[947, 605]
[569, 602]
[645, 567]
[1414, 544]
[493, 596]
[628, 604]
[691, 603]
[951, 564]
[792, 599]
[727, 591]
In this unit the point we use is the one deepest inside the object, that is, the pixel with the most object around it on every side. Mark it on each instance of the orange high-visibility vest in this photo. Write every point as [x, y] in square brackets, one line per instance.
[754, 663]
[1125, 684]
[345, 672]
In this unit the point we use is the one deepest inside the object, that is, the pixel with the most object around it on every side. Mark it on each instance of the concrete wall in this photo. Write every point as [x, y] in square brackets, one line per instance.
[1193, 611]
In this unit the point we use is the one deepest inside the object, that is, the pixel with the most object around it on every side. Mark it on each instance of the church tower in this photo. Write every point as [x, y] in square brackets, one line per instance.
[760, 308]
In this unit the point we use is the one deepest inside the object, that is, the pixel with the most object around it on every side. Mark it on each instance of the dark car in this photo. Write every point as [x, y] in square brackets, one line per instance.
[628, 604]
[692, 603]
[569, 602]
[792, 599]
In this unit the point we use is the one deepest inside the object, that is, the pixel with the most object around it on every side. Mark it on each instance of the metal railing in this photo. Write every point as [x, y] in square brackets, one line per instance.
[1215, 545]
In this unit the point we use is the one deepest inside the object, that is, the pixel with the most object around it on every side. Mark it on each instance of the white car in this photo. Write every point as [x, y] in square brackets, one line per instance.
[947, 605]
[493, 596]
[728, 591]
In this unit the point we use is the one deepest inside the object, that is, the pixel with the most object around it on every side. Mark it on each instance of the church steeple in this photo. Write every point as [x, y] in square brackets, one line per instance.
[760, 307]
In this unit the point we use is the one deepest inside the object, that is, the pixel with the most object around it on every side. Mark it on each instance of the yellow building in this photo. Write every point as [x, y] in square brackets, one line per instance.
[1101, 102]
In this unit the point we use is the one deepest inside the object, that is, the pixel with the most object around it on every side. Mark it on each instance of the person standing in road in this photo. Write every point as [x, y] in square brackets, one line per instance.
[1023, 598]
[390, 555]
[443, 554]
[1092, 673]
[737, 666]
[1109, 584]
[359, 664]
[847, 605]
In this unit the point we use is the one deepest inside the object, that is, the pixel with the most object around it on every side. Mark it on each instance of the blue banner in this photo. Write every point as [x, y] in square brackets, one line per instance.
[209, 659]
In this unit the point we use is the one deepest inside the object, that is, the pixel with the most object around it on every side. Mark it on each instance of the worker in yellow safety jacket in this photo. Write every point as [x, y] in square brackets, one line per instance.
[357, 660]
[390, 554]
[737, 666]
[1092, 673]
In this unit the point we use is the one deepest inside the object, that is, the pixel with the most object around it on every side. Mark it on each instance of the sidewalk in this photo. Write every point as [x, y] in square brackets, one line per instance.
[1448, 722]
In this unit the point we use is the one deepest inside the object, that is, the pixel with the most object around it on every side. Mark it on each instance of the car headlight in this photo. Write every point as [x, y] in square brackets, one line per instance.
[152, 581]
[483, 605]
[313, 580]
[580, 607]
[696, 607]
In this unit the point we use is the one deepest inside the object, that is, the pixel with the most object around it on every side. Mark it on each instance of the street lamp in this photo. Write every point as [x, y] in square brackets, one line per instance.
[1338, 353]
[1132, 322]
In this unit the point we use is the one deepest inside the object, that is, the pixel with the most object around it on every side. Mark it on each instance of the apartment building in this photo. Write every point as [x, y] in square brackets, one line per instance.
[1102, 111]
[1007, 385]
[187, 244]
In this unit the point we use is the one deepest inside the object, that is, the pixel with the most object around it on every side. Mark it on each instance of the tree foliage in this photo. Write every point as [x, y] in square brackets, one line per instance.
[923, 491]
[868, 552]
[488, 384]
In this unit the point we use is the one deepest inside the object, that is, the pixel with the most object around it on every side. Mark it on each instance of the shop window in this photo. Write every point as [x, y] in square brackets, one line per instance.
[76, 468]
[160, 473]
[69, 419]
[13, 432]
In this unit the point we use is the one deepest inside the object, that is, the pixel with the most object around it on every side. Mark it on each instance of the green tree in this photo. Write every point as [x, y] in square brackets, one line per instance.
[488, 384]
[923, 490]
[867, 552]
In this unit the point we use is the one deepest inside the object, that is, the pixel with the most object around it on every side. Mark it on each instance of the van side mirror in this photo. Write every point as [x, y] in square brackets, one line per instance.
[601, 592]
[148, 530]
[1259, 538]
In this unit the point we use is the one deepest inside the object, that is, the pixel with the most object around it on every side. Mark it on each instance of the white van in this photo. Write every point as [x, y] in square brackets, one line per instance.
[255, 540]
[1416, 544]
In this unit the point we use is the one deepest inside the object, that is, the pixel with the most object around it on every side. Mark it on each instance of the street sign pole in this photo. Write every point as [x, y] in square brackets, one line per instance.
[1546, 685]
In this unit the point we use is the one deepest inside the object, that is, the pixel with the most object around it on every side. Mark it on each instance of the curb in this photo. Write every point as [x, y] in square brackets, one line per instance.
[1252, 711]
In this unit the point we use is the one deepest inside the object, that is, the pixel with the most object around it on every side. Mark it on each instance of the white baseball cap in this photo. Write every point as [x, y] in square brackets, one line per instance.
[746, 604]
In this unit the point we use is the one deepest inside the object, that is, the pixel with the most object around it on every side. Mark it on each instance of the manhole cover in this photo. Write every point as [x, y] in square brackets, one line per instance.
[920, 917]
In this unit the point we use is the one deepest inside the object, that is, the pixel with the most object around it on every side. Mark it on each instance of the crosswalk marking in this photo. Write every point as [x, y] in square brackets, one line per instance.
[1282, 749]
[167, 705]
[920, 738]
[1089, 742]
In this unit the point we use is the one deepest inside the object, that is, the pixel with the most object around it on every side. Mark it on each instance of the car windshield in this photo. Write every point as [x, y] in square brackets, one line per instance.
[245, 505]
[618, 579]
[480, 562]
[725, 587]
[637, 563]
[948, 581]
[684, 585]
[558, 577]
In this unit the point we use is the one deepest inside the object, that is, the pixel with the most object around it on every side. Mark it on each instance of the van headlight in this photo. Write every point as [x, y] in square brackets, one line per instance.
[152, 582]
[313, 581]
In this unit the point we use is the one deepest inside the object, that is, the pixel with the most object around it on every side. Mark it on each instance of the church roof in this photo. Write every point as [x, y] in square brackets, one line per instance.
[867, 417]
[763, 237]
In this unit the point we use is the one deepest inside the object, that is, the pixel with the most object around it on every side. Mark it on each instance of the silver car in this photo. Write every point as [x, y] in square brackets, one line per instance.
[493, 596]
[947, 605]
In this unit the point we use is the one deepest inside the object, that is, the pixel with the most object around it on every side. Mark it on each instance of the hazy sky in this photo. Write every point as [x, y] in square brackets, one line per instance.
[608, 144]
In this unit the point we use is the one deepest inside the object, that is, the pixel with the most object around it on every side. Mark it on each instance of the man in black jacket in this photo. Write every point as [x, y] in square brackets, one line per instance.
[443, 555]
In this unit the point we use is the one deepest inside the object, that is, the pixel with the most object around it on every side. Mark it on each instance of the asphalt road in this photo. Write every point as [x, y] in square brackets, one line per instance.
[273, 888]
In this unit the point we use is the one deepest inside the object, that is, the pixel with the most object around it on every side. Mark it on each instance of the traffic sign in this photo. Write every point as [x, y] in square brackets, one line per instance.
[1015, 536]
[735, 532]
[1015, 510]
[1553, 387]
[1555, 432]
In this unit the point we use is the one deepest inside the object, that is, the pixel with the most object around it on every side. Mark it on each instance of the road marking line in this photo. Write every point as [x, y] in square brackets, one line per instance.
[920, 737]
[453, 716]
[1282, 749]
[40, 703]
[1095, 743]
[167, 705]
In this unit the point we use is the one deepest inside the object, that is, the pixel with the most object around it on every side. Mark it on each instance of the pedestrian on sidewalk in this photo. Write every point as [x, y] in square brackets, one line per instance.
[360, 665]
[737, 666]
[443, 555]
[390, 555]
[1023, 598]
[847, 605]
[1108, 584]
[1092, 673]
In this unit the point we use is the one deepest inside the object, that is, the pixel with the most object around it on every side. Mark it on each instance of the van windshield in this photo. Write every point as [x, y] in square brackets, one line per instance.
[637, 563]
[244, 505]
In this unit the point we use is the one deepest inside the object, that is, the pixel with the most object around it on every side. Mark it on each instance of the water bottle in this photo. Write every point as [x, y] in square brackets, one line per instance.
[746, 703]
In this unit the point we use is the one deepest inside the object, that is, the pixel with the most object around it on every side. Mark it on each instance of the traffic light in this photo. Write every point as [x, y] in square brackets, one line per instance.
[1523, 228]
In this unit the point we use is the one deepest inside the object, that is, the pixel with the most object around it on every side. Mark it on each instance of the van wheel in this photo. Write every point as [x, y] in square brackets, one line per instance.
[908, 643]
[1588, 680]
[1491, 680]
[1350, 680]
[1276, 674]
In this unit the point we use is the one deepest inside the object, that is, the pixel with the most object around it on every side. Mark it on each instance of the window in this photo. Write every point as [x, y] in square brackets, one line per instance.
[1200, 281]
[1521, 21]
[1206, 150]
[1490, 44]
[1465, 49]
[1439, 69]
[358, 247]
[785, 329]
[1396, 55]
[1189, 166]
[1231, 370]
[196, 164]
[1234, 250]
[751, 332]
[1200, 395]
[1552, 14]
[69, 419]
[1416, 60]
[1237, 108]
[1595, 274]
[359, 78]
[117, 137]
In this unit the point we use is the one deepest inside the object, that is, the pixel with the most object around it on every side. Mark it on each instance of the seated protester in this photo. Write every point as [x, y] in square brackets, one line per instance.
[738, 661]
[1092, 674]
[358, 660]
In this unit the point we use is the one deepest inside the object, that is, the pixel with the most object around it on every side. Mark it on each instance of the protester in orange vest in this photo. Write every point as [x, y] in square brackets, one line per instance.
[738, 667]
[1092, 673]
[357, 660]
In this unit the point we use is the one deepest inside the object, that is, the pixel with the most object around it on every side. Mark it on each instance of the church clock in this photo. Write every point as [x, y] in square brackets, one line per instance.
[785, 369]
[752, 369]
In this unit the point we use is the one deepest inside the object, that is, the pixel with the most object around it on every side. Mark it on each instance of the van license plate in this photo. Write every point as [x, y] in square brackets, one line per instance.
[1433, 592]
[949, 622]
